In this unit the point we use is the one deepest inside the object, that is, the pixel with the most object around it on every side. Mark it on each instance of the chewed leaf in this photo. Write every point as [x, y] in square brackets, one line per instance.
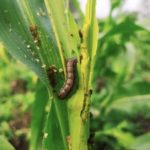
[64, 26]
[26, 33]
[90, 18]
[90, 39]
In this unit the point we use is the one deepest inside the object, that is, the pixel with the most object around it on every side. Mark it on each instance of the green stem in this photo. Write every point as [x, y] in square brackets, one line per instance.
[79, 128]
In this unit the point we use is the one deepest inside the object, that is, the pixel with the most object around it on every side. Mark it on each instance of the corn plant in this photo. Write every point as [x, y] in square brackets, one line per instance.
[44, 35]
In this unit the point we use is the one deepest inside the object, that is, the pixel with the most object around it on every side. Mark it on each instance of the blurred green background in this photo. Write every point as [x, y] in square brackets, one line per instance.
[120, 111]
[17, 91]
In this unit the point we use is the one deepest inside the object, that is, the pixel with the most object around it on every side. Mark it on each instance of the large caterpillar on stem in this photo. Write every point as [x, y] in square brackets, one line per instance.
[68, 85]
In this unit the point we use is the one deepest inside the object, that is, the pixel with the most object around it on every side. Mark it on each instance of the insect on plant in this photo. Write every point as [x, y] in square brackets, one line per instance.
[35, 35]
[43, 42]
[70, 69]
[51, 71]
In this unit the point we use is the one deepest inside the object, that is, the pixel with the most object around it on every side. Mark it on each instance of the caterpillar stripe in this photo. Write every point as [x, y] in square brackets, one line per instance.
[70, 69]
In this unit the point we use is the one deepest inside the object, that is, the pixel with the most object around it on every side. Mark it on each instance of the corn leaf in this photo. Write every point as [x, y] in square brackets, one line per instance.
[38, 116]
[56, 128]
[141, 142]
[131, 104]
[25, 31]
[64, 27]
[5, 145]
[36, 48]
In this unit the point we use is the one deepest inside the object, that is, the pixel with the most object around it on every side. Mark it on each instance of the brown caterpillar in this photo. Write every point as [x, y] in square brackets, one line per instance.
[51, 75]
[70, 68]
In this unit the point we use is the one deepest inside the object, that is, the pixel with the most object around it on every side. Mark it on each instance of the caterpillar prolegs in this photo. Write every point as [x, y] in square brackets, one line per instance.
[68, 85]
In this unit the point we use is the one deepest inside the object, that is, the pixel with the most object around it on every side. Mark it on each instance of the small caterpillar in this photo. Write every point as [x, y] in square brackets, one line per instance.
[51, 75]
[35, 35]
[70, 78]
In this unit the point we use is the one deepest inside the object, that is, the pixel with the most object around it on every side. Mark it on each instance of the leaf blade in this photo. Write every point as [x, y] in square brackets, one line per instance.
[5, 145]
[38, 116]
